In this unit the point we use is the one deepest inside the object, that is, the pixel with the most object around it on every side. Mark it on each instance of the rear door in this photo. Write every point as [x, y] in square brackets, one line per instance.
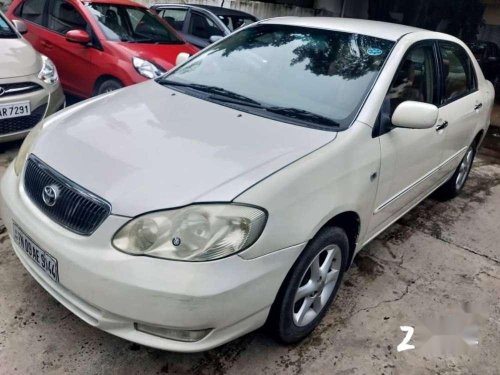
[410, 157]
[33, 12]
[462, 105]
[73, 60]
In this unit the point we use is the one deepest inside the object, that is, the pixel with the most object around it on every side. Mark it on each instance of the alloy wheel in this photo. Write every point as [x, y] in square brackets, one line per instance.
[317, 285]
[464, 168]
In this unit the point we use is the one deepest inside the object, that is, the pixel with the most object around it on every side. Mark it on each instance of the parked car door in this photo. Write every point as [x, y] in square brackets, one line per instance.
[201, 28]
[462, 106]
[33, 12]
[410, 157]
[63, 16]
[176, 17]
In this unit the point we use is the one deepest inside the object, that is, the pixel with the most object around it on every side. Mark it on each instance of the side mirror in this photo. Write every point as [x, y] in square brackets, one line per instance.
[20, 26]
[77, 36]
[215, 38]
[182, 58]
[415, 115]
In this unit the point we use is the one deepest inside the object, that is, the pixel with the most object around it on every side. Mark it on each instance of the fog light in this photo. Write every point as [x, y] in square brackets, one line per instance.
[173, 334]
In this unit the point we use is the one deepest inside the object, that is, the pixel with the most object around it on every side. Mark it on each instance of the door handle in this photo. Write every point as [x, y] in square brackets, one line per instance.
[441, 126]
[46, 44]
[478, 106]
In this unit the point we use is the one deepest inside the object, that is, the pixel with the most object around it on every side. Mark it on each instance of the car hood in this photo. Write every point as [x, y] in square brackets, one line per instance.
[148, 147]
[18, 58]
[163, 55]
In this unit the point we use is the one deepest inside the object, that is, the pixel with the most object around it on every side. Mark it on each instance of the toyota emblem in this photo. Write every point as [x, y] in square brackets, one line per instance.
[50, 195]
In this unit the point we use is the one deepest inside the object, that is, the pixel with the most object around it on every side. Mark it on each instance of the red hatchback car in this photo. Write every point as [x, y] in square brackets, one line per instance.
[100, 45]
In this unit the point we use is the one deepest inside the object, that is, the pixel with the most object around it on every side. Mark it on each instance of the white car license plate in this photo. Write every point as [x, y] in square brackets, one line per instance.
[15, 110]
[43, 259]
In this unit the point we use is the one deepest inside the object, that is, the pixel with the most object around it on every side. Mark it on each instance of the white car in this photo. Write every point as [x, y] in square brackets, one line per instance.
[235, 190]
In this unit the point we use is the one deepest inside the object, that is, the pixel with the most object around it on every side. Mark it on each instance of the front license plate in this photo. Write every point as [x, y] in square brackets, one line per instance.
[43, 259]
[15, 110]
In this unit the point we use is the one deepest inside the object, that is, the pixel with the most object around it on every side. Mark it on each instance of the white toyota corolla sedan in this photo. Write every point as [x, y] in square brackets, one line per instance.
[235, 190]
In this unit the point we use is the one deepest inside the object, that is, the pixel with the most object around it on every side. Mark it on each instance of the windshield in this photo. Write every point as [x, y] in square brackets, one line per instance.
[309, 77]
[235, 22]
[131, 24]
[5, 30]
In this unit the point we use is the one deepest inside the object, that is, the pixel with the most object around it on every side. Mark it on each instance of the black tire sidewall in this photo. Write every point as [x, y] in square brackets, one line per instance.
[449, 189]
[109, 82]
[285, 328]
[455, 175]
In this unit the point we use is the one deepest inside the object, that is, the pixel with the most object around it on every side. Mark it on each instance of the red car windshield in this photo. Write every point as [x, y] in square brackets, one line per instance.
[131, 24]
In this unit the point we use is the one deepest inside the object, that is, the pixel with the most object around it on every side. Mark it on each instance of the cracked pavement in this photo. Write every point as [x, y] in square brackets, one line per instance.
[436, 258]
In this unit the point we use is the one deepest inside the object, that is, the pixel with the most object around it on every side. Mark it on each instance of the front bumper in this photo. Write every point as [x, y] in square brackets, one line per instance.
[112, 291]
[51, 96]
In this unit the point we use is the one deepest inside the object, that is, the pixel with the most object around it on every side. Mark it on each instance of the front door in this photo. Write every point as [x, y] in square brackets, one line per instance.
[200, 29]
[410, 157]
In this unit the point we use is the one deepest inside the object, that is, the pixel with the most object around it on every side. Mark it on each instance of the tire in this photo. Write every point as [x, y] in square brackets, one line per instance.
[108, 85]
[451, 188]
[294, 317]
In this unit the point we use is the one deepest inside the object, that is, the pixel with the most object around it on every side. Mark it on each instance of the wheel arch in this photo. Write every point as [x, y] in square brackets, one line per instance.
[479, 138]
[350, 222]
[102, 78]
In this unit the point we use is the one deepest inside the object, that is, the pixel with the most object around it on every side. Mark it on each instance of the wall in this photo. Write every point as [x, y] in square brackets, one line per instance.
[258, 9]
[353, 8]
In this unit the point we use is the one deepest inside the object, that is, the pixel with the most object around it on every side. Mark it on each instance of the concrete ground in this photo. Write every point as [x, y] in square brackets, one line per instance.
[435, 259]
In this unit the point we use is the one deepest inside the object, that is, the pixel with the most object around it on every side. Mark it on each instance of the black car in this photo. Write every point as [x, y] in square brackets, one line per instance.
[202, 25]
[488, 57]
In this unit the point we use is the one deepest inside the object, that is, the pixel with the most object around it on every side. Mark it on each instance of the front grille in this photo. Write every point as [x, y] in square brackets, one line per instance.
[9, 89]
[18, 124]
[68, 204]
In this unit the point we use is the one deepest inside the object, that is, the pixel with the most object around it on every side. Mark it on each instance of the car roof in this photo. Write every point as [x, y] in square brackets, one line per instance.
[218, 11]
[383, 30]
[116, 2]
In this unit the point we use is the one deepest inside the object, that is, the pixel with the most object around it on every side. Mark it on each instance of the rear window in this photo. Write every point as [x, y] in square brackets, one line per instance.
[235, 22]
[32, 10]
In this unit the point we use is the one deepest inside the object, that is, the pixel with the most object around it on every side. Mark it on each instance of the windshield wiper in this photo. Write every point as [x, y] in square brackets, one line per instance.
[303, 115]
[226, 96]
[217, 93]
[7, 34]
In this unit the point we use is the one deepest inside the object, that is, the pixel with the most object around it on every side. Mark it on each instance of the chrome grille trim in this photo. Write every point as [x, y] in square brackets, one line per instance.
[76, 208]
[9, 89]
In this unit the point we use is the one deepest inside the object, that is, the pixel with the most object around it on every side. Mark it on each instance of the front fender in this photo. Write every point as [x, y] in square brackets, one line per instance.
[305, 195]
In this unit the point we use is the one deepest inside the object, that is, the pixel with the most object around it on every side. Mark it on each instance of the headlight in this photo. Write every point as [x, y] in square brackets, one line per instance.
[26, 148]
[195, 233]
[48, 74]
[147, 68]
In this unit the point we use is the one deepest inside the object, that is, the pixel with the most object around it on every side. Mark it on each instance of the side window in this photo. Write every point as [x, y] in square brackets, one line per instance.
[63, 17]
[32, 10]
[175, 17]
[459, 79]
[415, 79]
[203, 27]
